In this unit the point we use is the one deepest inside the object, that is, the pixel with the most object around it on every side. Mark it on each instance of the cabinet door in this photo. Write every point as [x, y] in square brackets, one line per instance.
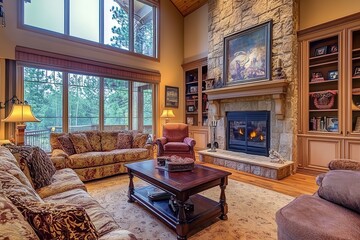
[319, 152]
[201, 137]
[352, 150]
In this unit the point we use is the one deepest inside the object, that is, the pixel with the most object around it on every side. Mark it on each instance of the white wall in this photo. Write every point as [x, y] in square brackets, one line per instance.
[171, 49]
[196, 34]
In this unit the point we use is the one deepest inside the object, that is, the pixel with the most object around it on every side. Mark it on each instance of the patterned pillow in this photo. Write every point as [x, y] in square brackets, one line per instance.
[12, 224]
[94, 140]
[81, 143]
[108, 140]
[41, 167]
[57, 221]
[54, 143]
[66, 144]
[124, 141]
[140, 140]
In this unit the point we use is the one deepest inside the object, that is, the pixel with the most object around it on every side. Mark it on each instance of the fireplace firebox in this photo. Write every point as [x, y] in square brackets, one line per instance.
[248, 132]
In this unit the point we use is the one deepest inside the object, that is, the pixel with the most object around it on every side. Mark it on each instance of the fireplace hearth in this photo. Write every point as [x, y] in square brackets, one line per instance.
[248, 132]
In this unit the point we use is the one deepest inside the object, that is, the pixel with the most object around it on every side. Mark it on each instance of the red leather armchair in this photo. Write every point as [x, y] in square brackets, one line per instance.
[176, 141]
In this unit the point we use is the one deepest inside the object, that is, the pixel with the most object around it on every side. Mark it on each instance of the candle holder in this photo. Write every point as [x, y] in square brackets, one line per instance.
[279, 73]
[213, 125]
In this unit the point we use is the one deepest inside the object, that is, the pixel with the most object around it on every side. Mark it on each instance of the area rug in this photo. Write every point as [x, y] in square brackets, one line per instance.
[251, 211]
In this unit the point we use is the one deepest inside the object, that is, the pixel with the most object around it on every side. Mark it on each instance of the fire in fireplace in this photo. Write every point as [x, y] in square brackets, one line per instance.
[249, 132]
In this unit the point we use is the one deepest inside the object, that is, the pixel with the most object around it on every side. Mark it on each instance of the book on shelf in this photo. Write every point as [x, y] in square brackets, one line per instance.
[326, 124]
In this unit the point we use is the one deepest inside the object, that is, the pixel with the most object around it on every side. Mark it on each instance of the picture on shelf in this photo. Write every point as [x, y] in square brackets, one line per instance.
[357, 71]
[332, 124]
[190, 120]
[333, 48]
[193, 89]
[191, 108]
[321, 51]
[317, 77]
[333, 75]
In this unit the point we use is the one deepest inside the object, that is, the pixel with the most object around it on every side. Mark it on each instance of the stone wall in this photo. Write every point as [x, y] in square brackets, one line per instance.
[227, 17]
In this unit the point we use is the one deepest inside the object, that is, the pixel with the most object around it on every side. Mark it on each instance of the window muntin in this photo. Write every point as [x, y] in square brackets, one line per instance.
[84, 13]
[45, 14]
[43, 89]
[124, 24]
[116, 104]
[142, 106]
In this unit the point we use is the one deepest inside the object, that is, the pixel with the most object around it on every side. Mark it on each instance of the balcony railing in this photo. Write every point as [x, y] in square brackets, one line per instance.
[41, 138]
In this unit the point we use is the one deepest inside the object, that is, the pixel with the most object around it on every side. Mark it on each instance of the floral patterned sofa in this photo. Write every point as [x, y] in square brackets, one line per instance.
[98, 154]
[60, 210]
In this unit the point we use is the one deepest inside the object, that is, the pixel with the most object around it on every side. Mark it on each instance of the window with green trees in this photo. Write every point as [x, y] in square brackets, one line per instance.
[91, 103]
[130, 25]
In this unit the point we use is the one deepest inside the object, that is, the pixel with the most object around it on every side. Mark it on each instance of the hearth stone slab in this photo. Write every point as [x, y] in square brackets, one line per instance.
[257, 165]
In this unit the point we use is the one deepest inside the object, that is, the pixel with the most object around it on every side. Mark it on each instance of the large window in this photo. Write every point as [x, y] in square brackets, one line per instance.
[124, 24]
[90, 103]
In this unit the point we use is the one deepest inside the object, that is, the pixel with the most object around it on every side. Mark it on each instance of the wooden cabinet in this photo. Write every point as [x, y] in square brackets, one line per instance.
[196, 106]
[329, 93]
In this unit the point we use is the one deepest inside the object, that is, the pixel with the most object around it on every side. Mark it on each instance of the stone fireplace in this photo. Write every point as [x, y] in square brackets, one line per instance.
[278, 97]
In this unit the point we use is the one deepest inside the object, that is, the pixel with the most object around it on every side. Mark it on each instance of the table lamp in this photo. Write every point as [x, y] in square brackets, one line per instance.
[167, 114]
[20, 113]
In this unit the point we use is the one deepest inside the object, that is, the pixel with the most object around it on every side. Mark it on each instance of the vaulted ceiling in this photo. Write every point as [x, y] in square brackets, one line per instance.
[188, 6]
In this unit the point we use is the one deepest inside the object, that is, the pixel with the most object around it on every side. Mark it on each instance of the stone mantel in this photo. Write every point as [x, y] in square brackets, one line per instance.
[276, 88]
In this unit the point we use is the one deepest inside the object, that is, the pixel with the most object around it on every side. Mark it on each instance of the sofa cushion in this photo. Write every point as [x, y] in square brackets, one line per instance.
[57, 221]
[8, 155]
[11, 186]
[344, 164]
[63, 180]
[91, 173]
[108, 140]
[66, 144]
[124, 141]
[132, 154]
[102, 220]
[94, 140]
[88, 159]
[20, 153]
[342, 187]
[13, 224]
[41, 167]
[140, 140]
[54, 143]
[310, 217]
[81, 143]
[14, 170]
[176, 147]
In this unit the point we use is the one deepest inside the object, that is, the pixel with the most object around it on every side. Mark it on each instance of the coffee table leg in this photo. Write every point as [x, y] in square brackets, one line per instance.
[224, 206]
[131, 187]
[182, 227]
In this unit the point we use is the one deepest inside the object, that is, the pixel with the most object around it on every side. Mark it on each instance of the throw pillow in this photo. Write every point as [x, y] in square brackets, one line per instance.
[66, 144]
[342, 187]
[54, 143]
[41, 167]
[94, 140]
[344, 164]
[57, 221]
[81, 143]
[140, 140]
[108, 140]
[20, 153]
[124, 141]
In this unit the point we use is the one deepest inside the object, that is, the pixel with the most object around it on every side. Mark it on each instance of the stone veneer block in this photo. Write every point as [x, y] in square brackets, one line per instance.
[257, 165]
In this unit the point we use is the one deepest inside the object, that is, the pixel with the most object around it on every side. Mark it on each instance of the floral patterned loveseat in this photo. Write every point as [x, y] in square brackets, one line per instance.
[62, 209]
[98, 154]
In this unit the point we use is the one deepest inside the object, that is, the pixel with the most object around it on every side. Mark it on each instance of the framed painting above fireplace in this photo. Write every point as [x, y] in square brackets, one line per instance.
[247, 55]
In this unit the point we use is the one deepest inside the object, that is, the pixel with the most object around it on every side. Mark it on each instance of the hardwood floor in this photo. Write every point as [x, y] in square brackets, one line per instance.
[294, 185]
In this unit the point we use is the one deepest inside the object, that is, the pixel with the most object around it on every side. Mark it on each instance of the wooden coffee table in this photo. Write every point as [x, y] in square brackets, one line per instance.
[181, 185]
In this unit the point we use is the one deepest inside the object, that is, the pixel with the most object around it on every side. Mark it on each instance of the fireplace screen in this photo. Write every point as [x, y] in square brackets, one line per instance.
[248, 131]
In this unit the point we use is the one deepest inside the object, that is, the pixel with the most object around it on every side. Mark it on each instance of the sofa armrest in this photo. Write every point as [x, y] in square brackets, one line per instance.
[149, 147]
[189, 141]
[58, 158]
[344, 164]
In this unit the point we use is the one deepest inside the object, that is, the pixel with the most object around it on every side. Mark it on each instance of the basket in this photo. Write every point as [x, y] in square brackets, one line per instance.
[324, 100]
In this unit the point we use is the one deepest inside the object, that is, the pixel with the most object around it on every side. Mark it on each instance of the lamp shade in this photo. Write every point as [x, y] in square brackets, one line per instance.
[167, 114]
[21, 113]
